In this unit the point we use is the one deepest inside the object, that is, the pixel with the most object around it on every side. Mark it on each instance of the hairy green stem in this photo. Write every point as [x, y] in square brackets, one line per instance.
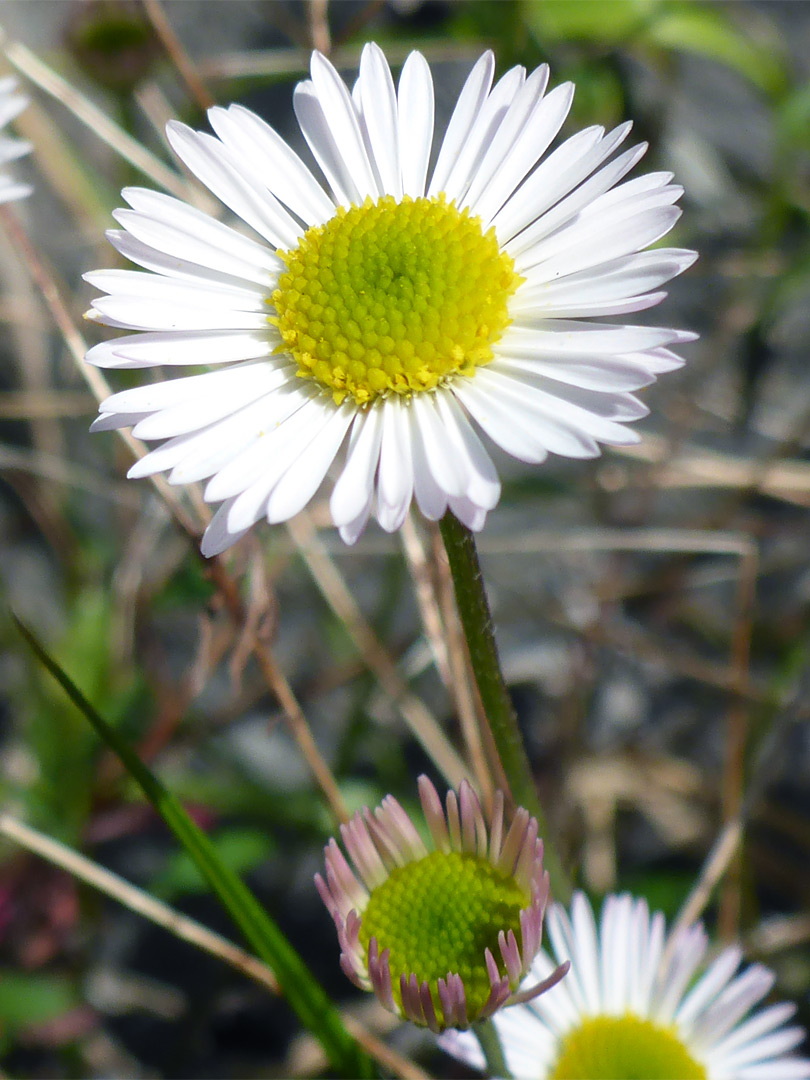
[490, 1043]
[476, 620]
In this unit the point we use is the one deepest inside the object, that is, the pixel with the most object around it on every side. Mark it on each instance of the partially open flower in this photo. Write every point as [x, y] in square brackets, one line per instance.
[642, 1003]
[443, 937]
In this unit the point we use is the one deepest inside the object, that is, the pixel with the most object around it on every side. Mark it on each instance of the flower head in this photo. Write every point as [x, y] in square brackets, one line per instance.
[11, 105]
[443, 937]
[639, 1003]
[386, 320]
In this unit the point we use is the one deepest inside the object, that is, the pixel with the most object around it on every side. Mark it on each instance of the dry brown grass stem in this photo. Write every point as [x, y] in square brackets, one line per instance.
[724, 851]
[788, 480]
[45, 280]
[318, 22]
[335, 591]
[45, 404]
[46, 283]
[728, 922]
[30, 65]
[178, 55]
[426, 597]
[184, 928]
[135, 899]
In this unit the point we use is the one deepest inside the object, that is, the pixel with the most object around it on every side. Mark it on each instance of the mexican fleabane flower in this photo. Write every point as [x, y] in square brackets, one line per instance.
[380, 323]
[442, 935]
[11, 105]
[638, 1003]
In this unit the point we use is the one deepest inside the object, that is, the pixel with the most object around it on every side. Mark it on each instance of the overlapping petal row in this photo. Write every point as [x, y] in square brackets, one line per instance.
[561, 379]
[384, 846]
[11, 105]
[627, 966]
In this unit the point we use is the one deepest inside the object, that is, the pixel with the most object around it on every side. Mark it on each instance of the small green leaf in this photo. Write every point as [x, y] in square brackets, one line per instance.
[709, 32]
[602, 22]
[28, 999]
[239, 849]
[300, 988]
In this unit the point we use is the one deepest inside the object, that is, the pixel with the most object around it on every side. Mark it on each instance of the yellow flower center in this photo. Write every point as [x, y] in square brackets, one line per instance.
[393, 297]
[624, 1048]
[439, 915]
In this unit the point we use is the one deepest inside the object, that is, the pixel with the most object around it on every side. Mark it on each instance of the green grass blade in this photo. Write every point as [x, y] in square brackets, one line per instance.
[299, 987]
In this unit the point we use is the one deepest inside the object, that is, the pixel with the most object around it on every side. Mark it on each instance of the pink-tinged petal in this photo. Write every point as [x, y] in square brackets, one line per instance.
[453, 820]
[513, 844]
[434, 814]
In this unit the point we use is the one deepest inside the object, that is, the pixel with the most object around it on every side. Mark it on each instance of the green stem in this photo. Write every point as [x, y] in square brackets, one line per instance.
[302, 991]
[476, 620]
[490, 1043]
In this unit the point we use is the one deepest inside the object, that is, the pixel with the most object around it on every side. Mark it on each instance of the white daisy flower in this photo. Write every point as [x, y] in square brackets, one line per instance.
[11, 105]
[399, 310]
[639, 1004]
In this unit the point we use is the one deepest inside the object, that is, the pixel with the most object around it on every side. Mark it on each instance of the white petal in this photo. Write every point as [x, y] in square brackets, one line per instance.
[563, 337]
[395, 480]
[322, 143]
[583, 196]
[201, 454]
[415, 128]
[165, 394]
[481, 483]
[341, 118]
[306, 474]
[379, 105]
[482, 132]
[212, 162]
[428, 492]
[469, 513]
[171, 290]
[354, 487]
[553, 178]
[294, 409]
[272, 162]
[138, 313]
[199, 237]
[564, 426]
[593, 246]
[502, 156]
[630, 275]
[292, 442]
[593, 373]
[202, 347]
[627, 215]
[10, 190]
[219, 536]
[350, 532]
[472, 97]
[541, 128]
[438, 450]
[500, 423]
[171, 266]
[207, 406]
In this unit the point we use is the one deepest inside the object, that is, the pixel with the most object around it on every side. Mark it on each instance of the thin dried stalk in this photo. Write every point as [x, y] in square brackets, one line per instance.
[177, 54]
[333, 587]
[185, 928]
[89, 114]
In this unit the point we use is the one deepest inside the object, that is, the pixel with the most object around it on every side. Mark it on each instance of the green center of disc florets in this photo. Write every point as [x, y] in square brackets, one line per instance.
[393, 297]
[624, 1048]
[438, 915]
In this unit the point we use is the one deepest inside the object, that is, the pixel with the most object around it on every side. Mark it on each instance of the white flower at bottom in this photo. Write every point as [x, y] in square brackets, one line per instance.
[634, 1007]
[11, 105]
[396, 314]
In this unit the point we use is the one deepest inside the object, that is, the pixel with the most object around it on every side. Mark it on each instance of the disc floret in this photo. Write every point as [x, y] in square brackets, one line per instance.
[393, 297]
[444, 936]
